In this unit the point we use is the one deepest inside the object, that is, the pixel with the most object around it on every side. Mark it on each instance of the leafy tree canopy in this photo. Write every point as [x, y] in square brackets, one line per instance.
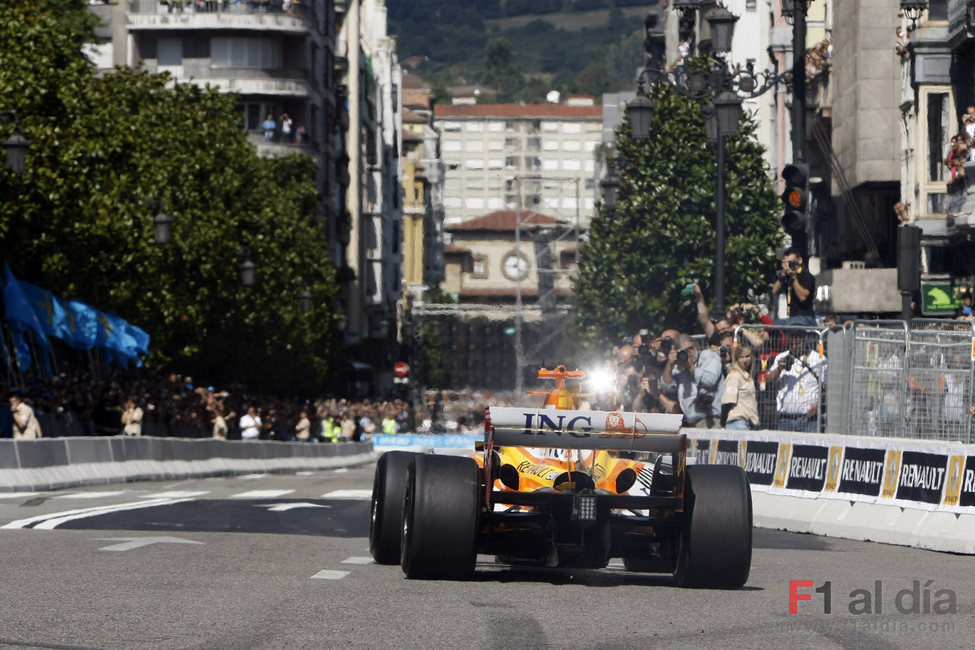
[107, 153]
[661, 235]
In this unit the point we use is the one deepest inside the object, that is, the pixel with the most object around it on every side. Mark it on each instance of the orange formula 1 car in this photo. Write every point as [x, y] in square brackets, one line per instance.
[556, 486]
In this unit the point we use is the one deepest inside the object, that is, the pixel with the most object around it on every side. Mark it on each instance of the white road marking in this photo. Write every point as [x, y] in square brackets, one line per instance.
[129, 543]
[253, 476]
[261, 494]
[55, 519]
[304, 473]
[284, 507]
[330, 575]
[616, 563]
[89, 495]
[176, 494]
[341, 470]
[356, 559]
[16, 495]
[358, 495]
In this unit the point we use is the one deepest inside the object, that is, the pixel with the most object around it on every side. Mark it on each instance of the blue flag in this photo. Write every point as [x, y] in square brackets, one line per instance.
[84, 324]
[18, 307]
[49, 310]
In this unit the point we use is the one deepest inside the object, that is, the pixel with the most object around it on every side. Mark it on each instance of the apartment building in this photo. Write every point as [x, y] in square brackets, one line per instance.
[331, 67]
[506, 156]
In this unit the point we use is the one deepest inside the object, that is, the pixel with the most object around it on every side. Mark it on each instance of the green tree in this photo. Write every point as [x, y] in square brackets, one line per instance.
[662, 233]
[501, 72]
[107, 152]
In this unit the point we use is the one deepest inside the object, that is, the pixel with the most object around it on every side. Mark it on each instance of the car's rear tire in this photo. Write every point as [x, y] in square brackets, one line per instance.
[716, 537]
[388, 488]
[441, 518]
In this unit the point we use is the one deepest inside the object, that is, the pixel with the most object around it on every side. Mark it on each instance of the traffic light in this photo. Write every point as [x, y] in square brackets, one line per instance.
[795, 201]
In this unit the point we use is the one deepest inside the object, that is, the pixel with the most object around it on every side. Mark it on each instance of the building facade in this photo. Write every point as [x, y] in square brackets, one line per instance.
[506, 156]
[371, 77]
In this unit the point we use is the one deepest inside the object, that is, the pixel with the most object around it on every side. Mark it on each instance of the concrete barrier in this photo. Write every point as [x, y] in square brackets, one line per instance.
[58, 463]
[921, 493]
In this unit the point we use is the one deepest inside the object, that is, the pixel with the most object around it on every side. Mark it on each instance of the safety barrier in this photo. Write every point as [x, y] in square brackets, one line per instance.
[910, 492]
[875, 378]
[56, 463]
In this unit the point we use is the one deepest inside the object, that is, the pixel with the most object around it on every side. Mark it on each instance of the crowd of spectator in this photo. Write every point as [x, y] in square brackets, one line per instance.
[143, 402]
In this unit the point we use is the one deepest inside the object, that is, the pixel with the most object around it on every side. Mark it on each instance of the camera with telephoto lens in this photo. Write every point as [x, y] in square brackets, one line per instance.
[793, 265]
[724, 351]
[789, 360]
[666, 343]
[682, 356]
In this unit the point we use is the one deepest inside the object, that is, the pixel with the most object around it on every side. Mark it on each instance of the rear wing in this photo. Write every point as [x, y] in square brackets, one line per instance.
[582, 429]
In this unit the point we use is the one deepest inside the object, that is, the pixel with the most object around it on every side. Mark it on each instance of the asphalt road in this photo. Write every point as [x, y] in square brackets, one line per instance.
[282, 561]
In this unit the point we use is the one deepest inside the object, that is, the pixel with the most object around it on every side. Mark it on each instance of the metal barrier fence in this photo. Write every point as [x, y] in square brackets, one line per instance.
[877, 378]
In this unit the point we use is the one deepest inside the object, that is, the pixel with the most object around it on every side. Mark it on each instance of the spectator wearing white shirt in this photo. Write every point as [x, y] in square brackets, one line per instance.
[250, 424]
[800, 374]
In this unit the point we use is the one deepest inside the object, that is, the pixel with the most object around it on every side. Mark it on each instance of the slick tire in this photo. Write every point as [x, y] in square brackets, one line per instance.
[441, 518]
[716, 538]
[388, 490]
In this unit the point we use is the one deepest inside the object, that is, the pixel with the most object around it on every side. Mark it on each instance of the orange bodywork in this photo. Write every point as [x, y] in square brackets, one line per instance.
[539, 469]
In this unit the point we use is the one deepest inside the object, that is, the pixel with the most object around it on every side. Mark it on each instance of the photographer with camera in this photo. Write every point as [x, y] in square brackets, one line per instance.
[653, 354]
[799, 286]
[696, 381]
[738, 314]
[800, 374]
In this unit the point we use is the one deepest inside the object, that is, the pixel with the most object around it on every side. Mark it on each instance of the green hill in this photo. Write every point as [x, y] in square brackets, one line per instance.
[522, 48]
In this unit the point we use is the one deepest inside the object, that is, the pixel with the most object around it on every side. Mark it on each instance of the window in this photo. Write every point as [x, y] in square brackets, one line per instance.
[496, 145]
[170, 51]
[247, 52]
[935, 127]
[511, 162]
[451, 145]
[551, 145]
[534, 144]
[550, 127]
[452, 202]
[479, 269]
[255, 112]
[590, 165]
[451, 126]
[474, 203]
[495, 163]
[474, 163]
[511, 144]
[569, 202]
[571, 127]
[571, 165]
[571, 145]
[196, 47]
[550, 165]
[550, 203]
[475, 127]
[495, 126]
[495, 203]
[939, 130]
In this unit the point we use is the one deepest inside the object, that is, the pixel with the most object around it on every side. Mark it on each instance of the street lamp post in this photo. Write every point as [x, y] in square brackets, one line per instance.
[16, 145]
[720, 89]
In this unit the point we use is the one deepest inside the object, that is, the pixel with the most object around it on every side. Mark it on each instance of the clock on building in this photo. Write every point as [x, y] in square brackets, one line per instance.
[514, 266]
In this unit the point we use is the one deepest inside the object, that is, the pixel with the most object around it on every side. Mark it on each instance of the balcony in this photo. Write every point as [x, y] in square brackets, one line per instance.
[273, 149]
[245, 81]
[216, 14]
